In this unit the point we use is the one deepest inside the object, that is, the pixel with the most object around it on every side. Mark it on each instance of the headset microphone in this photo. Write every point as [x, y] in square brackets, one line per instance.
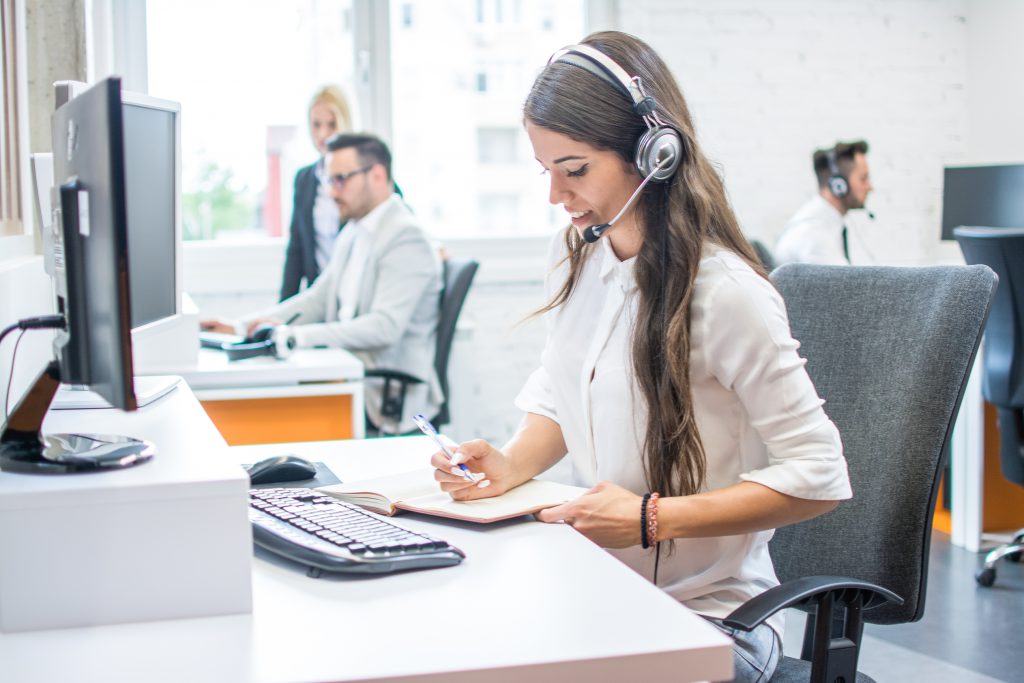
[594, 232]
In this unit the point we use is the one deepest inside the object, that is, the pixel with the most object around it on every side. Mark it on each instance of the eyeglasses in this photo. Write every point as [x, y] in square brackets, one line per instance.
[338, 181]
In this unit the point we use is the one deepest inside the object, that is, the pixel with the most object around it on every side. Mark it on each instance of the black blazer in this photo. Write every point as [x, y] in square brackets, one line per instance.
[300, 258]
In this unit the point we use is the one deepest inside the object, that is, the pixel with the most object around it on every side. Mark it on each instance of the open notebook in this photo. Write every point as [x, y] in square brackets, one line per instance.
[417, 491]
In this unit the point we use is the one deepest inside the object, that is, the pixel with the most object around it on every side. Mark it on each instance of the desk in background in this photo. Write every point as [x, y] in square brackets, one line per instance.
[531, 602]
[313, 395]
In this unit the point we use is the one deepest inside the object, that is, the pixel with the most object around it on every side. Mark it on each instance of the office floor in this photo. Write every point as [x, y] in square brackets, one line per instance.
[968, 634]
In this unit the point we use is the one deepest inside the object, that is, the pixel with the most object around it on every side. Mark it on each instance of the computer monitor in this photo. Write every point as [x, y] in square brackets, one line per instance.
[988, 196]
[92, 277]
[152, 161]
[164, 322]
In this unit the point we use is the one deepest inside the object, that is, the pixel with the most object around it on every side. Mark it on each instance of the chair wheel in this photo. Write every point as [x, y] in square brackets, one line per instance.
[985, 577]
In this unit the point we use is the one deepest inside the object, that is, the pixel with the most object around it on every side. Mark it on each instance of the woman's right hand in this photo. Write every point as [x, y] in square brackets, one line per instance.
[480, 457]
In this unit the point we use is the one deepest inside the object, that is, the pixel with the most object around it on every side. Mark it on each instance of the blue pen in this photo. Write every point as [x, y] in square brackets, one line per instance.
[428, 429]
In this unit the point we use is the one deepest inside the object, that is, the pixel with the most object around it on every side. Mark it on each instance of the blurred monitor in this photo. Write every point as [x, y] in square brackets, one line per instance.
[989, 196]
[152, 163]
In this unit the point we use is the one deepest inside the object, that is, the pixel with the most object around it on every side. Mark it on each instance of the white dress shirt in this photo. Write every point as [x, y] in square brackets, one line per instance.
[326, 220]
[355, 243]
[758, 415]
[813, 235]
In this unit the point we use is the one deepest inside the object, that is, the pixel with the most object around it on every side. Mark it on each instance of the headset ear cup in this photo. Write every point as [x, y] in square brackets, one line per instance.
[838, 186]
[244, 350]
[653, 147]
[260, 343]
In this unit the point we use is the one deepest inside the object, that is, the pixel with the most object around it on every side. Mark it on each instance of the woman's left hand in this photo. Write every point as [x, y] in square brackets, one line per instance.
[607, 514]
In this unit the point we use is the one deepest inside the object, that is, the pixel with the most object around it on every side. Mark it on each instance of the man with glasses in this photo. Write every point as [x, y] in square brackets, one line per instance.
[378, 296]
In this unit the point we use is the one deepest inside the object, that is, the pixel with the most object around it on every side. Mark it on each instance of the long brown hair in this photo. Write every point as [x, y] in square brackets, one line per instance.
[678, 217]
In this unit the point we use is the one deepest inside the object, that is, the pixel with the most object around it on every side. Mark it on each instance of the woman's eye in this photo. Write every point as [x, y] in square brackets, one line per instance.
[578, 172]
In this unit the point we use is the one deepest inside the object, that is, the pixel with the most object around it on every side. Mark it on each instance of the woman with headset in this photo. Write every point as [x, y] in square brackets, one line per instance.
[669, 376]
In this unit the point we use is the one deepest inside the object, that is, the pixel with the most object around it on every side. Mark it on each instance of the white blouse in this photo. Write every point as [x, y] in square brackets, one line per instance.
[758, 414]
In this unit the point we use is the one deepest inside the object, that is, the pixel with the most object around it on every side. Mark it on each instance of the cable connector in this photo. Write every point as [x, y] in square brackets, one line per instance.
[42, 322]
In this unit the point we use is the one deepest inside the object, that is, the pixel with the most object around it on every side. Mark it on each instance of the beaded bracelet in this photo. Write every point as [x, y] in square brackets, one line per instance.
[643, 522]
[652, 518]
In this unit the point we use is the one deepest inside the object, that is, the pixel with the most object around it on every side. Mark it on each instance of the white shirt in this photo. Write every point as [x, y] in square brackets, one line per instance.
[759, 417]
[354, 243]
[326, 220]
[813, 235]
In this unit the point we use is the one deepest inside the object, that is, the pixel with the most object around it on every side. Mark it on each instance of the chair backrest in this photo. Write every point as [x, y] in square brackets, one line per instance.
[889, 350]
[1002, 250]
[458, 276]
[764, 254]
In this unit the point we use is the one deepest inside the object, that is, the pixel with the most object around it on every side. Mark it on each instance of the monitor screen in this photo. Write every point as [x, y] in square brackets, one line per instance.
[151, 187]
[989, 196]
[89, 172]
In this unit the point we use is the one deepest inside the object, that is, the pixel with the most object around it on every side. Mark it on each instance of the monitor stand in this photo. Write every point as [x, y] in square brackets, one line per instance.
[23, 448]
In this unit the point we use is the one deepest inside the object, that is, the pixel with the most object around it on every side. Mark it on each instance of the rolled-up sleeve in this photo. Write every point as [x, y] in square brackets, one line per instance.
[536, 395]
[756, 357]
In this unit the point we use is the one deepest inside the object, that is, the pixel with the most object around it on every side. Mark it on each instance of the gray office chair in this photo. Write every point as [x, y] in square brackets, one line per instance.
[1002, 249]
[889, 349]
[457, 277]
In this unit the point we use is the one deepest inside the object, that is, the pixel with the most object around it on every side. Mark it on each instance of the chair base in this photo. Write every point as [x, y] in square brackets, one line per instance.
[986, 575]
[791, 670]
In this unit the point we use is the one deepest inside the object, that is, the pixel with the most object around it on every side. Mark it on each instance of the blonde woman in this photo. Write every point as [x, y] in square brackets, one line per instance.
[315, 222]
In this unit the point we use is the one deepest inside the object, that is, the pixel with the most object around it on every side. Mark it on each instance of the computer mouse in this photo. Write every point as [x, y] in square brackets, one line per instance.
[281, 469]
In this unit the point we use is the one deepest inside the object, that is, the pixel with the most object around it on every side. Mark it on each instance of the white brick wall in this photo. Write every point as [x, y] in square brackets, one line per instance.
[769, 81]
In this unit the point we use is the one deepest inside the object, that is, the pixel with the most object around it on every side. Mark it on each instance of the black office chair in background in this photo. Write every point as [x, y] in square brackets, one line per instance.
[457, 277]
[889, 350]
[764, 254]
[1002, 250]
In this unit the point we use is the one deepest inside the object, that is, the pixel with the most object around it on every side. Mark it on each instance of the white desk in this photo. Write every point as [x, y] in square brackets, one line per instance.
[254, 394]
[531, 602]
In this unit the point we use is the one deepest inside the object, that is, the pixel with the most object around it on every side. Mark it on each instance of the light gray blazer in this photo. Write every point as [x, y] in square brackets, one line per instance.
[395, 323]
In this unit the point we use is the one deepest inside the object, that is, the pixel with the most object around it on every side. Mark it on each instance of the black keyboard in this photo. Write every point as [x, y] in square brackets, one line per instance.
[328, 535]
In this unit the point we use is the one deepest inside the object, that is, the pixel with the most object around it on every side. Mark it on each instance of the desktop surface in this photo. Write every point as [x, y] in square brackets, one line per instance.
[531, 601]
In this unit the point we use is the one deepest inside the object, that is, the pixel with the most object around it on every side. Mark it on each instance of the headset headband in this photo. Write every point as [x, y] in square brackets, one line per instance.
[602, 66]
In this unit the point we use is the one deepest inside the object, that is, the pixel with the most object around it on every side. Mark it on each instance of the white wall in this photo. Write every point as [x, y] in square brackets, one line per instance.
[995, 85]
[769, 81]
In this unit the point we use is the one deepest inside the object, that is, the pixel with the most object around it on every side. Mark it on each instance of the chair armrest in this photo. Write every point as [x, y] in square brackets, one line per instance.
[384, 373]
[393, 403]
[809, 589]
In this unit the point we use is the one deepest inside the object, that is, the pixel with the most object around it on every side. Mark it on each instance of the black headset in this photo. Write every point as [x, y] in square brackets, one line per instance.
[659, 150]
[261, 342]
[838, 185]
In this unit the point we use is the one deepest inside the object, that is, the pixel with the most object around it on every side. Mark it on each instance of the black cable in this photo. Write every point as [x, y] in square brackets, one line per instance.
[39, 322]
[10, 377]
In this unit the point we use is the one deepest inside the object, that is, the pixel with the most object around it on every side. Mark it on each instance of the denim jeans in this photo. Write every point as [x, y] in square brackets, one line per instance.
[755, 654]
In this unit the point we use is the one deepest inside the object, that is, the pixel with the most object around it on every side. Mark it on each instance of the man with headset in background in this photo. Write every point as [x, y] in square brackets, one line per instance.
[378, 295]
[817, 232]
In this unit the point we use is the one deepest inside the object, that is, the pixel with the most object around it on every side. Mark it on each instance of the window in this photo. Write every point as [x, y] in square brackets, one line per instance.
[244, 72]
[461, 154]
[459, 71]
[497, 145]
